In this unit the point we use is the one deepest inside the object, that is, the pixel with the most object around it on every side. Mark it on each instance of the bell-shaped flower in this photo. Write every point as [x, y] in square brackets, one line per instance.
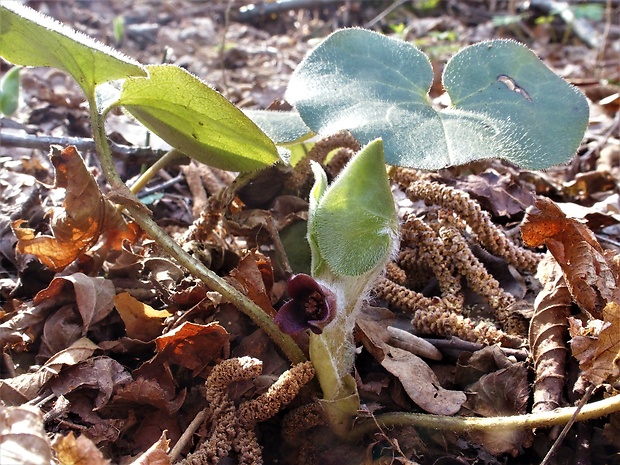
[312, 306]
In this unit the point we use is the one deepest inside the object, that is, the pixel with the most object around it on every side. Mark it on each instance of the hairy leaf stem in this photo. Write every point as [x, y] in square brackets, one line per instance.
[468, 424]
[167, 244]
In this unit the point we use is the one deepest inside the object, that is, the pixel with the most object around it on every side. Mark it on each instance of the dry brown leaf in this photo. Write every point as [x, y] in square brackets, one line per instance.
[22, 437]
[142, 321]
[148, 391]
[86, 216]
[417, 378]
[156, 454]
[498, 193]
[504, 392]
[611, 431]
[77, 451]
[25, 387]
[25, 326]
[255, 276]
[94, 296]
[191, 345]
[597, 345]
[590, 278]
[472, 366]
[82, 305]
[421, 383]
[501, 393]
[548, 334]
[101, 374]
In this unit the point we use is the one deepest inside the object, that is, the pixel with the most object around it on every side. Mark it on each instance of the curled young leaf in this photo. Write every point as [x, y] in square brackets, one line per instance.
[352, 224]
[312, 306]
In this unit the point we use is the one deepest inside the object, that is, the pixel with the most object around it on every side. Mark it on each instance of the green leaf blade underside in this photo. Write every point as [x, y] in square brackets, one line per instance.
[29, 38]
[283, 127]
[355, 220]
[197, 120]
[505, 102]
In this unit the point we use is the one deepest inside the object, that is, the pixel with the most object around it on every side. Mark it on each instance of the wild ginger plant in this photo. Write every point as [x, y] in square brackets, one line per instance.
[505, 103]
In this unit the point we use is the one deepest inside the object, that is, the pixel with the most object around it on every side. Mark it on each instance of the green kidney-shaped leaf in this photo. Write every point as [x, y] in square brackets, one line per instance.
[505, 102]
[197, 120]
[354, 223]
[30, 38]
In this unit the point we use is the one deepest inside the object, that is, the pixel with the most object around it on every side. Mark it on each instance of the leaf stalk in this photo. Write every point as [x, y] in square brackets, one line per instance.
[214, 282]
[469, 424]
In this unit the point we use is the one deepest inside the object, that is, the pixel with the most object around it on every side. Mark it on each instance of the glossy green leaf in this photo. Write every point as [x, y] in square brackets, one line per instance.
[30, 38]
[9, 91]
[197, 120]
[354, 222]
[505, 102]
[283, 127]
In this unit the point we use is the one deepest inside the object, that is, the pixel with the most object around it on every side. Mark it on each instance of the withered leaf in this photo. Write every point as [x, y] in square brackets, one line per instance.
[71, 450]
[255, 275]
[597, 345]
[142, 321]
[585, 184]
[498, 193]
[22, 437]
[417, 378]
[472, 366]
[149, 391]
[548, 334]
[191, 345]
[590, 278]
[504, 392]
[93, 296]
[421, 383]
[85, 217]
[102, 374]
[156, 454]
[26, 386]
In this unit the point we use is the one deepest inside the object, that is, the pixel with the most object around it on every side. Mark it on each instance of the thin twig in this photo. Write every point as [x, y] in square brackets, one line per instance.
[567, 427]
[28, 141]
[165, 160]
[222, 50]
[175, 453]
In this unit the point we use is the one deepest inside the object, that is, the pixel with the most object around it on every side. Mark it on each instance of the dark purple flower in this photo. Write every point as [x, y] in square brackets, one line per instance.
[311, 306]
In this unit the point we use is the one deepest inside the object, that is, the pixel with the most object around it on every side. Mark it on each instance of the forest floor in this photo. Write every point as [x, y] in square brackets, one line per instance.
[111, 351]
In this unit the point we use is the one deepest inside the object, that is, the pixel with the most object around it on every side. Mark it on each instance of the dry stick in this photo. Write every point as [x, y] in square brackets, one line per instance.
[603, 44]
[222, 50]
[175, 453]
[142, 216]
[154, 169]
[567, 427]
[469, 424]
[29, 141]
